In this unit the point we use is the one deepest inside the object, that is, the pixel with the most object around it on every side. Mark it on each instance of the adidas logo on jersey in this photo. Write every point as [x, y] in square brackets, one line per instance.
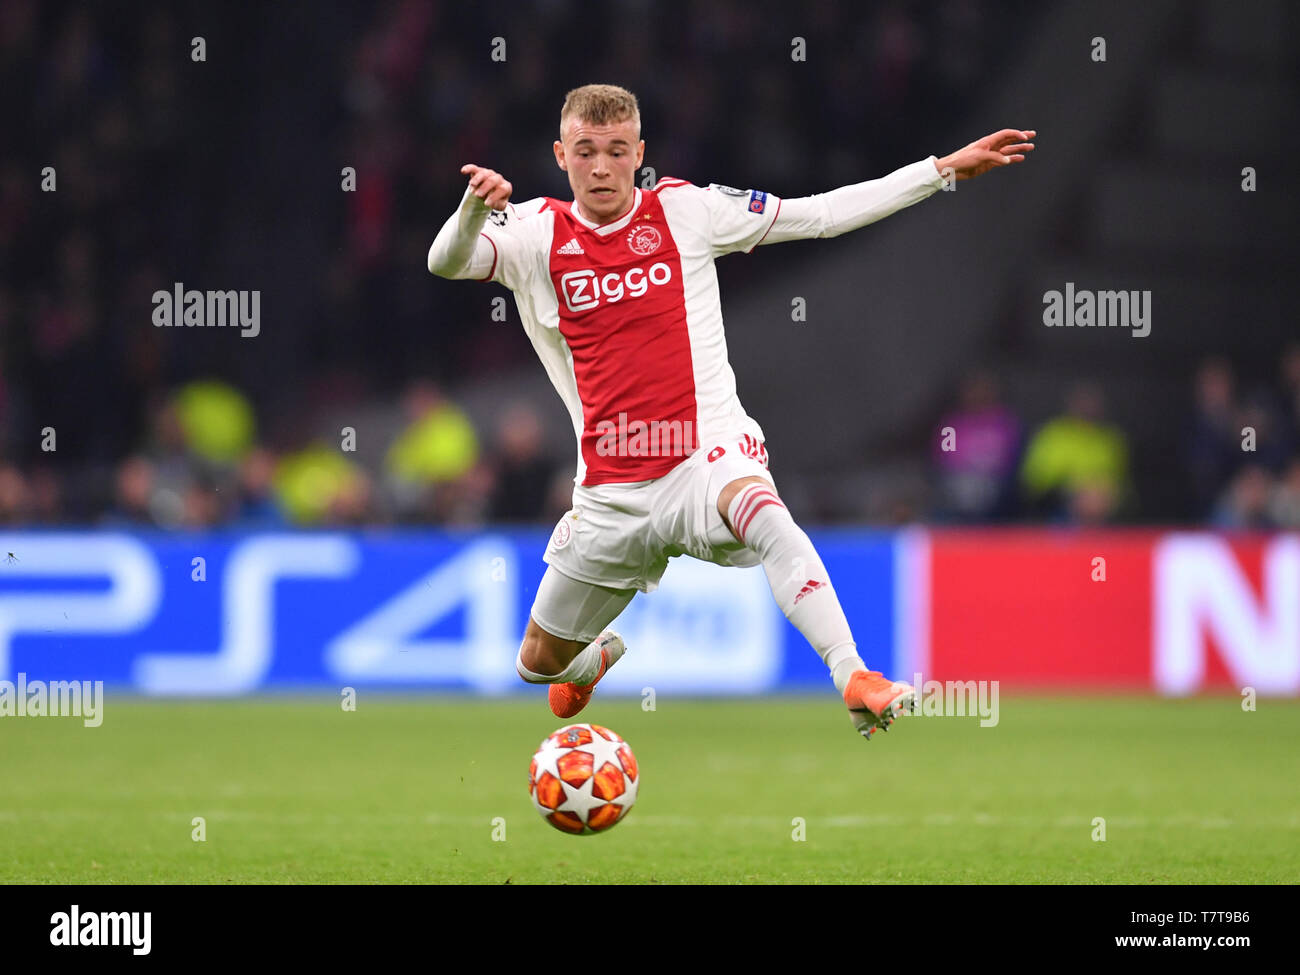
[572, 247]
[812, 585]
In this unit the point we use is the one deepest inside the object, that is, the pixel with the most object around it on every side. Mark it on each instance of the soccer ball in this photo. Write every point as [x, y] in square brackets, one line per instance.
[583, 779]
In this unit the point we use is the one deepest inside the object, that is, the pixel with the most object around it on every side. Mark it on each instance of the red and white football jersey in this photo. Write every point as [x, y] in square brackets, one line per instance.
[627, 320]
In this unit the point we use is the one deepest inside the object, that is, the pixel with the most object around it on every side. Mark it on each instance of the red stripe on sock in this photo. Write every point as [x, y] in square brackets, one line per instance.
[752, 497]
[773, 499]
[747, 497]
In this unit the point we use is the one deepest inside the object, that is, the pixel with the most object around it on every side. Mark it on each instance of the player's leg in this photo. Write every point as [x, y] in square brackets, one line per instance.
[758, 519]
[544, 653]
[567, 643]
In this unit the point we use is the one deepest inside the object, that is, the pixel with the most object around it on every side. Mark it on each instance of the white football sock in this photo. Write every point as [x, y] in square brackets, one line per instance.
[799, 581]
[582, 669]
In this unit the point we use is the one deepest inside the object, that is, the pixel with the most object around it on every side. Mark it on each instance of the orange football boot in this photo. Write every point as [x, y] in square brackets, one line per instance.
[568, 699]
[875, 702]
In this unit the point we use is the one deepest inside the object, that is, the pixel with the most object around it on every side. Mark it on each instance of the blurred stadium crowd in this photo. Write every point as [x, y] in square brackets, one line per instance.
[154, 430]
[1238, 452]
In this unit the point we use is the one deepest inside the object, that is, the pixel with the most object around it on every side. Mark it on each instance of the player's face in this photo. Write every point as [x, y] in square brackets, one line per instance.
[601, 161]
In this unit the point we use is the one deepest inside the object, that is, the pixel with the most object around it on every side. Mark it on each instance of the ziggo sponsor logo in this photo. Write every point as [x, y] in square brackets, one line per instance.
[584, 290]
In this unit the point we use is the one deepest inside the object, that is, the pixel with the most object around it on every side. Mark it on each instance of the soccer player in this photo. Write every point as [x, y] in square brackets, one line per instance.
[617, 292]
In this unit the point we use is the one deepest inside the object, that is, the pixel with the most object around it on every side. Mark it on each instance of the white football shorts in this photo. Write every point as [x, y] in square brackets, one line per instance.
[621, 536]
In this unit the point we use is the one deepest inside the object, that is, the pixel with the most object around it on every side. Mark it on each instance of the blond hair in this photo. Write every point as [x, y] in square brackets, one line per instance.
[601, 105]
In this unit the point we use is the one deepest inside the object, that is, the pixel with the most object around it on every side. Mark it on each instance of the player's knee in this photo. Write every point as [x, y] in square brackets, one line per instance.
[541, 653]
[530, 657]
[732, 488]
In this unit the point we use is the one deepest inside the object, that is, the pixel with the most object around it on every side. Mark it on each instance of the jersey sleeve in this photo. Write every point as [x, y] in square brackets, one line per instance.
[738, 219]
[514, 235]
[852, 207]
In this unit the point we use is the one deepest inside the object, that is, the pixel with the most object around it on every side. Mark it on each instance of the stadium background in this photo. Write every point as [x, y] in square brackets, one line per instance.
[199, 531]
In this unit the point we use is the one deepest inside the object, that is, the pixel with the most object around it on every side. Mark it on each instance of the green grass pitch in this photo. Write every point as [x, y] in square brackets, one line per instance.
[405, 791]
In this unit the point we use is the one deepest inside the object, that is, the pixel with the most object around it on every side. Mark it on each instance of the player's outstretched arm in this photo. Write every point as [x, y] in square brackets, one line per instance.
[460, 250]
[851, 207]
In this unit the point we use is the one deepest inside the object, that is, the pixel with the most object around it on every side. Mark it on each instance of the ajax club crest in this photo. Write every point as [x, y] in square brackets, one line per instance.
[643, 239]
[563, 532]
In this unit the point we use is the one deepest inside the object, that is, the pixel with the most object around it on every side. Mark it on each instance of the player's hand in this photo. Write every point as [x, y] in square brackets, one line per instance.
[488, 185]
[999, 149]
